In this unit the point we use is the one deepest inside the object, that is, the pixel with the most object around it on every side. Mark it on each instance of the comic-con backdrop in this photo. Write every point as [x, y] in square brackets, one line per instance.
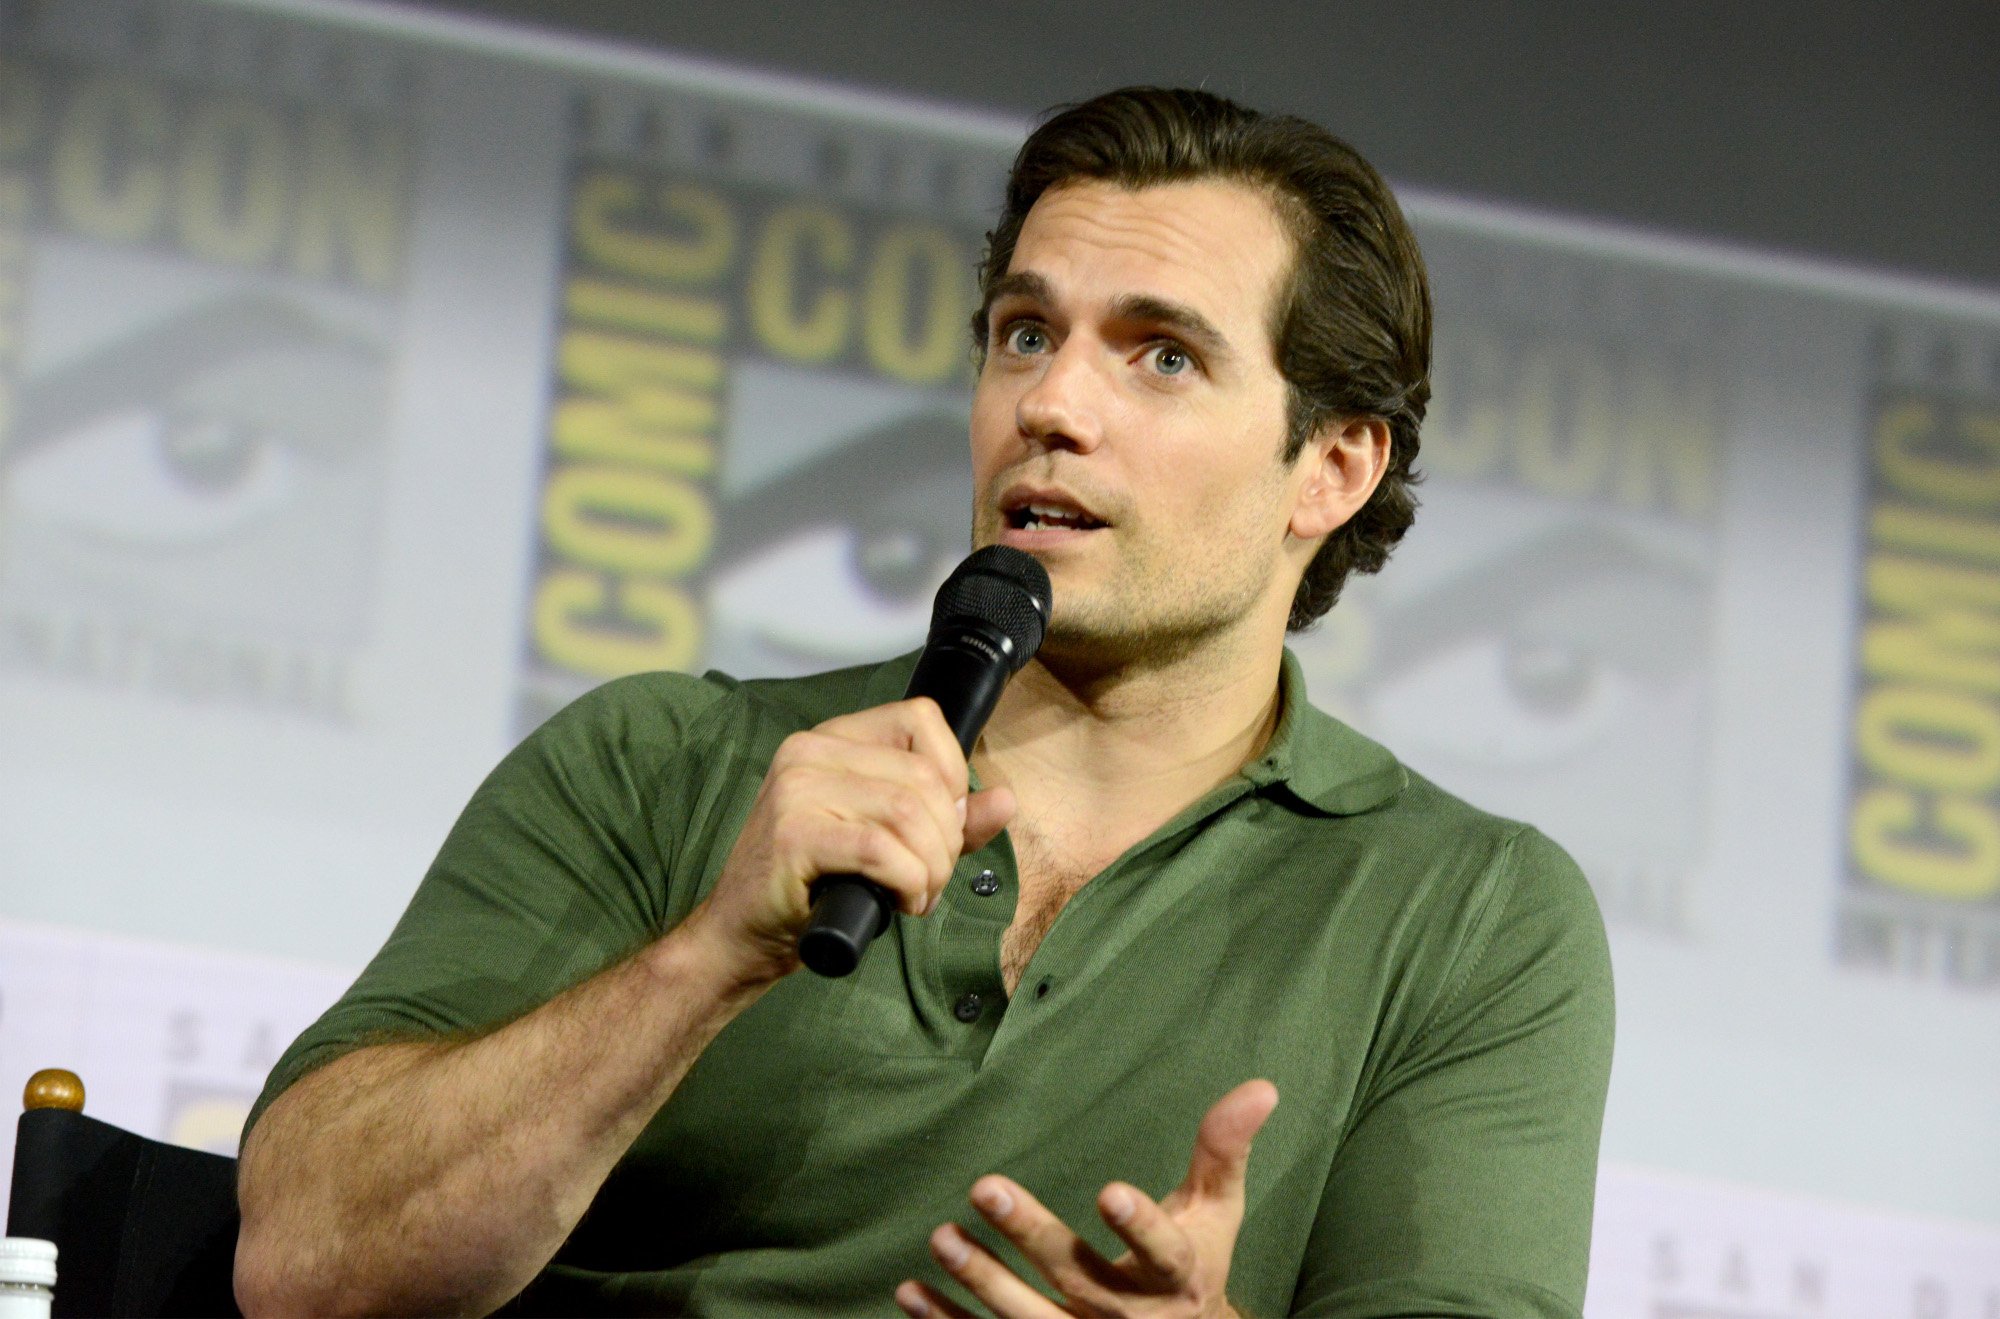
[371, 386]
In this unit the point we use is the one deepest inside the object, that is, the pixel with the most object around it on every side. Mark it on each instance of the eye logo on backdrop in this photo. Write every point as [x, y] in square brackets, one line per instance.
[756, 445]
[1541, 641]
[1922, 893]
[199, 281]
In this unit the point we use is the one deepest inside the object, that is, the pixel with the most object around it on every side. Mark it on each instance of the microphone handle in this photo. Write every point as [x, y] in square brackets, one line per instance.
[964, 673]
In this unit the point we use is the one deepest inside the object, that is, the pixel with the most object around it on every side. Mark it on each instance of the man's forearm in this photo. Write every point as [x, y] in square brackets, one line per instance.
[440, 1177]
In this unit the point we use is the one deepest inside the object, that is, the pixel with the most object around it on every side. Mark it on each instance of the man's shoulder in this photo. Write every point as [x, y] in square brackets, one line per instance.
[665, 700]
[1456, 887]
[1342, 772]
[1433, 836]
[1426, 805]
[1477, 859]
[817, 697]
[637, 709]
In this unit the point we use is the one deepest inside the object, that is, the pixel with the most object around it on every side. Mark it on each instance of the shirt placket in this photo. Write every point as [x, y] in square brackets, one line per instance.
[1049, 970]
[973, 913]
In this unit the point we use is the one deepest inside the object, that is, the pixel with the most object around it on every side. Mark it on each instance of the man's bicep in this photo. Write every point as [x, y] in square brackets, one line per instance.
[1465, 1185]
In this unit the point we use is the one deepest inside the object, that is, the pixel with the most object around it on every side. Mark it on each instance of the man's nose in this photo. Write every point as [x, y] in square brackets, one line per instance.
[1065, 407]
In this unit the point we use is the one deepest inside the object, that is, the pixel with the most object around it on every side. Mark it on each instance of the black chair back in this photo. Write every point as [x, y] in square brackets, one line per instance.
[141, 1227]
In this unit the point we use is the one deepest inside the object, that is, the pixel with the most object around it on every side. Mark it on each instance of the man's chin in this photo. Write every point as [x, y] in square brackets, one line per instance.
[1092, 637]
[1082, 639]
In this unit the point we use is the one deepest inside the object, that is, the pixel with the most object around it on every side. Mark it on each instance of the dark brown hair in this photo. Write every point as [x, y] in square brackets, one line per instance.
[1352, 328]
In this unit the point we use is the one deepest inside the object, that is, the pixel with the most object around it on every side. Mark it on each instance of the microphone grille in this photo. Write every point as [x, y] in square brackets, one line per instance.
[1001, 587]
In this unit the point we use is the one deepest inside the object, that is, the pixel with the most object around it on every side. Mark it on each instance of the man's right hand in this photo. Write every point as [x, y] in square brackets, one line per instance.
[881, 793]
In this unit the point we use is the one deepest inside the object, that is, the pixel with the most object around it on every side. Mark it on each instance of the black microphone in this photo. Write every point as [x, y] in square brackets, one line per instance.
[986, 625]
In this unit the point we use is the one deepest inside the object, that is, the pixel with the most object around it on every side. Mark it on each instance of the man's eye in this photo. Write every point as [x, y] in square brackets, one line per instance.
[1026, 338]
[1170, 359]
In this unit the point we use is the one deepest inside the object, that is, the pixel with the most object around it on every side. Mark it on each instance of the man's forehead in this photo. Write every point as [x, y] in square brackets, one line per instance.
[1216, 244]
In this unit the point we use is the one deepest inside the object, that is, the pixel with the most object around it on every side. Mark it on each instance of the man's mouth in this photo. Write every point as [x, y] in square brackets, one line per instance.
[1052, 517]
[1049, 516]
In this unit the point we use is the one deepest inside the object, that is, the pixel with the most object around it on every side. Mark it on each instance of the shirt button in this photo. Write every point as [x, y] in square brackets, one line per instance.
[967, 1009]
[986, 883]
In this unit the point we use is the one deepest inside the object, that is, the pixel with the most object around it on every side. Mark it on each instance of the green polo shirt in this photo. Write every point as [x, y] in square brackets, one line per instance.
[1427, 985]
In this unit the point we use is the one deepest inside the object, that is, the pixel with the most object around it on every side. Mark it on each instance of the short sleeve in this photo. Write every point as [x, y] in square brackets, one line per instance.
[558, 865]
[1465, 1183]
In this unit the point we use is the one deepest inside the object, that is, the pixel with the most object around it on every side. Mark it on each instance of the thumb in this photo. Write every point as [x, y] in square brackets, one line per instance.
[986, 814]
[1222, 1146]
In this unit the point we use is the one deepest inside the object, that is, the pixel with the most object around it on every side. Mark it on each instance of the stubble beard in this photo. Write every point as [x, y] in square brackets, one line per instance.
[1156, 607]
[1151, 614]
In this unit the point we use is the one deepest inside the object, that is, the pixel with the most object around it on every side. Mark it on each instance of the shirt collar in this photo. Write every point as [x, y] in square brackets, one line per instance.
[891, 679]
[1319, 762]
[1313, 759]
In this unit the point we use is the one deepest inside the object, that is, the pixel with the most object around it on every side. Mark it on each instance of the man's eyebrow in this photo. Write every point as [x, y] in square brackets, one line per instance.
[1183, 320]
[1024, 284]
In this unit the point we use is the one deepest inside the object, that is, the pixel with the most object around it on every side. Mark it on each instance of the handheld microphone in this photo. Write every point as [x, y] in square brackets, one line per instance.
[986, 624]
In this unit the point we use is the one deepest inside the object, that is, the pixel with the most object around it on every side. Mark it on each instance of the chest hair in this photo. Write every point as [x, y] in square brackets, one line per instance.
[1049, 878]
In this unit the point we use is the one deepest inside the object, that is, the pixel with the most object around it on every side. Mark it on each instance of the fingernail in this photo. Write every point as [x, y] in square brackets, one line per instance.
[913, 1304]
[994, 1201]
[950, 1247]
[1118, 1206]
[961, 810]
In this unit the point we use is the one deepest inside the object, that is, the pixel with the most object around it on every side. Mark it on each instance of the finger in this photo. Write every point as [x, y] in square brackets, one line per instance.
[817, 757]
[826, 822]
[1163, 1255]
[933, 738]
[1071, 1264]
[986, 814]
[875, 852]
[1222, 1146]
[987, 1278]
[915, 725]
[809, 845]
[922, 1302]
[924, 821]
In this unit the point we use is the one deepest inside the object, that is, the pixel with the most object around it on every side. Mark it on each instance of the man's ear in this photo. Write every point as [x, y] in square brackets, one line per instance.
[1343, 463]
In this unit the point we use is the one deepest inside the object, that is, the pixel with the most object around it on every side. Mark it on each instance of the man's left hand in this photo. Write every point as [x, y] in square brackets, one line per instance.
[1178, 1261]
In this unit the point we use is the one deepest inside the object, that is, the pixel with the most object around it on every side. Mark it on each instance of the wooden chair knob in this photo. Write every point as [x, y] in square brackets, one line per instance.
[52, 1087]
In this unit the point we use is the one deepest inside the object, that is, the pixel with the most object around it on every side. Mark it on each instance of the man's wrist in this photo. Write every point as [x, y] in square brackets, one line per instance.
[692, 961]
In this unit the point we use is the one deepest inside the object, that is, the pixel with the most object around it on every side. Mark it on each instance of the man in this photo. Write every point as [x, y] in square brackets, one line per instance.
[1165, 891]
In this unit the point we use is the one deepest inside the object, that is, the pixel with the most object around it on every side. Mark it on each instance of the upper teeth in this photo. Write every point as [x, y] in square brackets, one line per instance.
[1052, 512]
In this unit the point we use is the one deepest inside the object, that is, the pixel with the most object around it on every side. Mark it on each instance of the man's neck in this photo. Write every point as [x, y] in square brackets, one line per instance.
[1129, 746]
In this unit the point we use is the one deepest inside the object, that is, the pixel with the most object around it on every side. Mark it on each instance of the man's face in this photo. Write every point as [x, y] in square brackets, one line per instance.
[1129, 421]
